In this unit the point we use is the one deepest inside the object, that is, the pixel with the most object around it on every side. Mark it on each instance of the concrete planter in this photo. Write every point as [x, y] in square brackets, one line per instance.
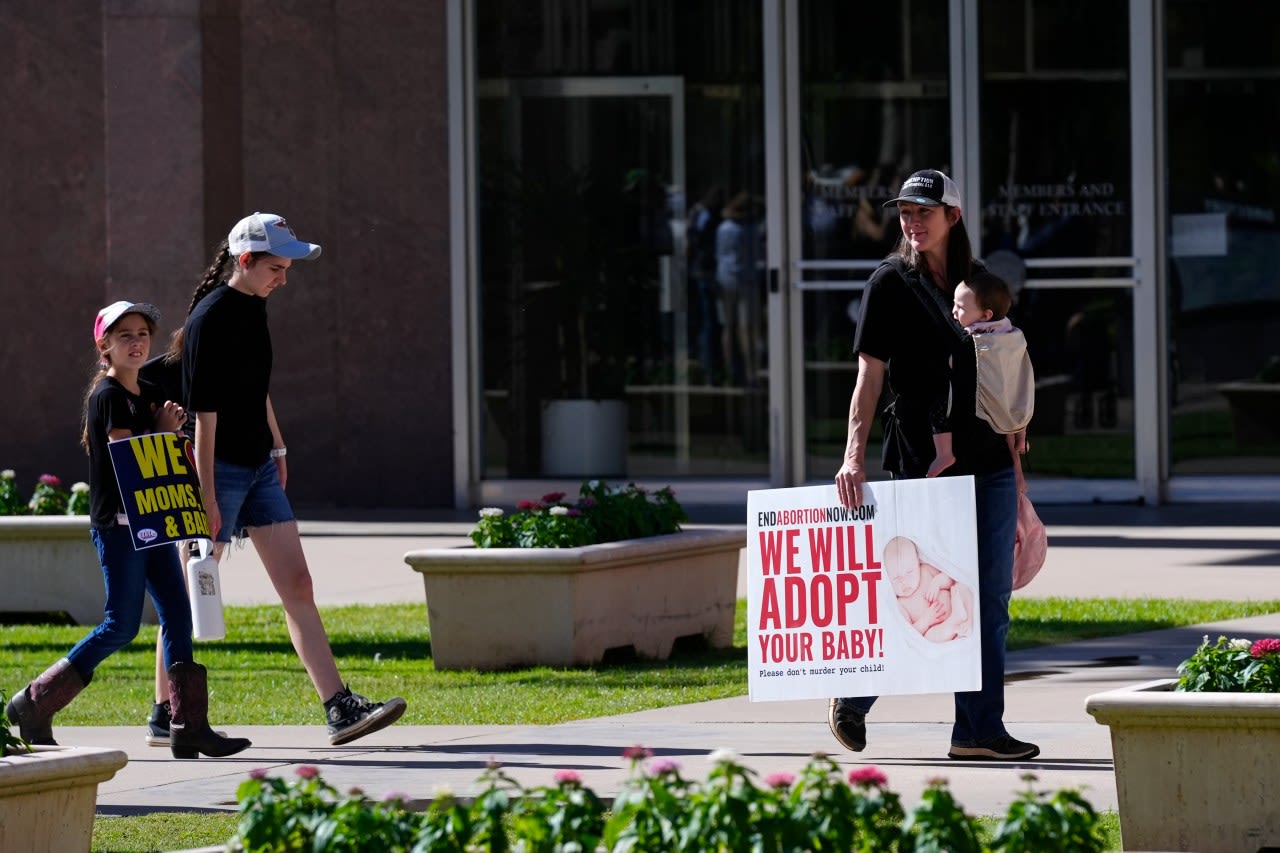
[1194, 771]
[50, 565]
[494, 608]
[48, 797]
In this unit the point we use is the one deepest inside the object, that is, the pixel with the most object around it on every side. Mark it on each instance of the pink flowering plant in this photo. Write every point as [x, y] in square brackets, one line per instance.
[601, 513]
[1232, 666]
[49, 497]
[819, 808]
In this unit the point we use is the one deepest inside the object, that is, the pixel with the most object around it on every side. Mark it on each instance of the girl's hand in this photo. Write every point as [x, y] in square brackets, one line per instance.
[171, 417]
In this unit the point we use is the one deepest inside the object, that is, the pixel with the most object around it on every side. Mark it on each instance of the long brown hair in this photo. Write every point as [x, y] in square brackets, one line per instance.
[213, 276]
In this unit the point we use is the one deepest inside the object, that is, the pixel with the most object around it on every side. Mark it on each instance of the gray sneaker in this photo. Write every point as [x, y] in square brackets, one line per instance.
[350, 715]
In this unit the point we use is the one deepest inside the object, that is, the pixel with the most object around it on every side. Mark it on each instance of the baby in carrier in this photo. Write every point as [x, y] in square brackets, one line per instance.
[1006, 382]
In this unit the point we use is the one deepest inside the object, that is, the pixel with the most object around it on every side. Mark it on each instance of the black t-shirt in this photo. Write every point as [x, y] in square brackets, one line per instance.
[112, 407]
[925, 352]
[226, 368]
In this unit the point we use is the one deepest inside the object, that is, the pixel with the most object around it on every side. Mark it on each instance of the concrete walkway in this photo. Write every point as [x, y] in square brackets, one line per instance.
[1178, 552]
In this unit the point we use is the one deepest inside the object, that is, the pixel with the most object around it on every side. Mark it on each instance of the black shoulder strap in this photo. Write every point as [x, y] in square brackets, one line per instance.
[930, 298]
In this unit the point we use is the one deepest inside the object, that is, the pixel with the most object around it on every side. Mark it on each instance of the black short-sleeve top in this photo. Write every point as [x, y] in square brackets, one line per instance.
[111, 406]
[226, 369]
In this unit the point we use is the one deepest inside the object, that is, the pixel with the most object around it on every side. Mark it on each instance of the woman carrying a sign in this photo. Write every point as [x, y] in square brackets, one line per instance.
[907, 337]
[120, 405]
[240, 453]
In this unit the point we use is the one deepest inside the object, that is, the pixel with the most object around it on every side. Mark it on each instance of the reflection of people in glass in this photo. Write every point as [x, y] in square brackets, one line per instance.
[934, 603]
[704, 219]
[738, 255]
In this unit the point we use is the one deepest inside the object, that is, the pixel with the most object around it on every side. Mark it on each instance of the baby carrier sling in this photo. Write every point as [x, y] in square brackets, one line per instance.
[1005, 380]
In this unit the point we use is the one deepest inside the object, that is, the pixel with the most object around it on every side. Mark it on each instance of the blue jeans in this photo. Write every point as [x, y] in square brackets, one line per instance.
[249, 497]
[128, 575]
[980, 713]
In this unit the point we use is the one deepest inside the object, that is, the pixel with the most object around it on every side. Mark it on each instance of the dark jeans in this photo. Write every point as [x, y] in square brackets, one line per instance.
[980, 713]
[128, 575]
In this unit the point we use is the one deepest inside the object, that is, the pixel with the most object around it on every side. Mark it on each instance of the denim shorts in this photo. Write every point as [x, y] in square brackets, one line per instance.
[253, 497]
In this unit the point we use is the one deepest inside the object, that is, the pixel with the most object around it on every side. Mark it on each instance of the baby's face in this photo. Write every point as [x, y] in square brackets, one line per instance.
[964, 307]
[902, 564]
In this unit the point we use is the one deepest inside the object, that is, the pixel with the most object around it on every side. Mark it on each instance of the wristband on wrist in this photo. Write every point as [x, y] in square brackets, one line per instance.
[277, 452]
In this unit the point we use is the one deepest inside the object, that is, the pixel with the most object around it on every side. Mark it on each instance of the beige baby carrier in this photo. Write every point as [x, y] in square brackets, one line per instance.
[1006, 382]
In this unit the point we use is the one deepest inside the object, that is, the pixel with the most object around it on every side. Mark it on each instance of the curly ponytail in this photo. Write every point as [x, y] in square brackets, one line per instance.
[211, 279]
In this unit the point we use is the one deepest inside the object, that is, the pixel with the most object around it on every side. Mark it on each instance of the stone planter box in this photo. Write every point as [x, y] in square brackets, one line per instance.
[1194, 771]
[495, 608]
[48, 797]
[50, 565]
[1255, 412]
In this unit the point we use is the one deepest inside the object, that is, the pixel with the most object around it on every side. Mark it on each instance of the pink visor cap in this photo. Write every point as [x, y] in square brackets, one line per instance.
[268, 232]
[108, 316]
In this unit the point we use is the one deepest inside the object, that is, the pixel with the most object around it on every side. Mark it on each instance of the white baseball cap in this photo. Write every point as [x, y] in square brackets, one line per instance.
[268, 232]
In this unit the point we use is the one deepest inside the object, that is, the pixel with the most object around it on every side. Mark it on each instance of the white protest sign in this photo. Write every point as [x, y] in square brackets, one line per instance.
[875, 600]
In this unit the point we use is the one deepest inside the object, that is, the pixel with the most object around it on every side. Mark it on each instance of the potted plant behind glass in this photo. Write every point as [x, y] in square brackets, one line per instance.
[1255, 406]
[1196, 757]
[562, 583]
[585, 284]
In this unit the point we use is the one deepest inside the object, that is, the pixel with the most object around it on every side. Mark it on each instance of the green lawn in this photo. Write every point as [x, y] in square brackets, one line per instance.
[386, 649]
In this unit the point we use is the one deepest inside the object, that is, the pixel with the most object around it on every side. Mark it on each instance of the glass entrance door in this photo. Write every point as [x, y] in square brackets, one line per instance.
[1037, 133]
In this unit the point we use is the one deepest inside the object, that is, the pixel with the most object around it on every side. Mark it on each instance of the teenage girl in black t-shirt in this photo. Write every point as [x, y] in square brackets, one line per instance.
[226, 355]
[120, 405]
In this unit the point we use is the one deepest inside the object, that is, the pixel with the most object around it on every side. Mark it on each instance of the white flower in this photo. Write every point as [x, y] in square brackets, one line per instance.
[490, 512]
[7, 474]
[559, 510]
[724, 756]
[442, 792]
[80, 488]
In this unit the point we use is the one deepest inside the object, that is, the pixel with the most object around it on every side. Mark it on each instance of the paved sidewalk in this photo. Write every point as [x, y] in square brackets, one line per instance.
[1219, 552]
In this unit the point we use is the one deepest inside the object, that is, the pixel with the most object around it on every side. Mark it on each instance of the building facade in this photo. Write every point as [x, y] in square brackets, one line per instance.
[628, 238]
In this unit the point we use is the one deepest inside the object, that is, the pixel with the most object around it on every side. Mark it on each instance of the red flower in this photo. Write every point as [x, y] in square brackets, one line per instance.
[553, 497]
[51, 480]
[869, 777]
[526, 504]
[637, 753]
[1264, 647]
[306, 771]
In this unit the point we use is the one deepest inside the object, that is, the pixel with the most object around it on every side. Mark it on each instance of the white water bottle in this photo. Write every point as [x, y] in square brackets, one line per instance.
[205, 591]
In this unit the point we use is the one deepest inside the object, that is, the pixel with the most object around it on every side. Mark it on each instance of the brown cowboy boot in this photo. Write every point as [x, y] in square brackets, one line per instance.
[32, 710]
[189, 732]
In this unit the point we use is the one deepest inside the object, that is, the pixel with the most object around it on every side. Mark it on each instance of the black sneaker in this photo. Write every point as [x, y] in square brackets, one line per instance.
[848, 724]
[1001, 748]
[158, 724]
[351, 715]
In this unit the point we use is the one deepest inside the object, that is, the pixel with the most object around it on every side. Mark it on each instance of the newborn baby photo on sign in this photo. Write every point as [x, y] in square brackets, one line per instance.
[932, 602]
